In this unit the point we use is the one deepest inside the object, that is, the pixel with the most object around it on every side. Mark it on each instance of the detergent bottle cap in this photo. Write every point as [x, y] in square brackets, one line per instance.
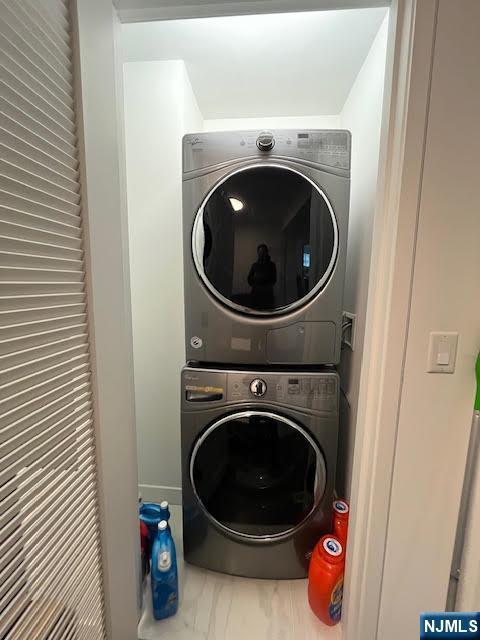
[162, 525]
[164, 504]
[341, 507]
[332, 546]
[328, 550]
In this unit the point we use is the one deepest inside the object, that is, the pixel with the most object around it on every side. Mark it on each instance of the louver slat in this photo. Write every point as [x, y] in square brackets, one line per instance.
[27, 147]
[51, 188]
[15, 18]
[48, 486]
[35, 168]
[23, 229]
[30, 117]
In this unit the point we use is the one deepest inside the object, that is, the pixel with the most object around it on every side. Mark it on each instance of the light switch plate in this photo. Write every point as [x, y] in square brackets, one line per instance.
[442, 351]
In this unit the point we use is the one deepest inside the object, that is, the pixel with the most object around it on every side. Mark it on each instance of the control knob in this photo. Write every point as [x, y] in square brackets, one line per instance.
[258, 387]
[265, 141]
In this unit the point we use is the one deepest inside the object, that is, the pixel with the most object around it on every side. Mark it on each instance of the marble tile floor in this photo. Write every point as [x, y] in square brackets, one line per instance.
[214, 606]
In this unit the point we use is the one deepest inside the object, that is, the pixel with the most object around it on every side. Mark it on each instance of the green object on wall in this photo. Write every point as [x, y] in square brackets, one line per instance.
[477, 397]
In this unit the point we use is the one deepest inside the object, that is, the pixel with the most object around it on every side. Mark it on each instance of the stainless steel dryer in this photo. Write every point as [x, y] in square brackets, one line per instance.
[259, 452]
[265, 218]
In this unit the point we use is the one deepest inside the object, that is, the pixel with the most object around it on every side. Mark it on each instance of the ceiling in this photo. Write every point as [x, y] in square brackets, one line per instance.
[263, 65]
[143, 10]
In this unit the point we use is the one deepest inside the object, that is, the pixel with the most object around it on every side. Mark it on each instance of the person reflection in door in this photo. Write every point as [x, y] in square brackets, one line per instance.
[262, 278]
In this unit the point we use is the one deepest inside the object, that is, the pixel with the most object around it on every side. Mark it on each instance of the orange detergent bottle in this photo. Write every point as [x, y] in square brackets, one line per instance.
[340, 521]
[325, 580]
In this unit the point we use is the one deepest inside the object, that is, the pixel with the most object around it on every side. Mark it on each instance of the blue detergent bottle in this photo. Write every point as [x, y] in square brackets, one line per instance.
[164, 575]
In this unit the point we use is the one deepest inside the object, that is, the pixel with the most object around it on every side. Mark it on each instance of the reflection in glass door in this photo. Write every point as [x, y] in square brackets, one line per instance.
[265, 240]
[257, 473]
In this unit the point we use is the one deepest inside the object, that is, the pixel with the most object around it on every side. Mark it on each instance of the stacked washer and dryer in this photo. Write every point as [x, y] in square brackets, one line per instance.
[265, 218]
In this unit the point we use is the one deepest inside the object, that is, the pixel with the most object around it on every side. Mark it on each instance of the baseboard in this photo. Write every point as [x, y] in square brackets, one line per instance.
[157, 493]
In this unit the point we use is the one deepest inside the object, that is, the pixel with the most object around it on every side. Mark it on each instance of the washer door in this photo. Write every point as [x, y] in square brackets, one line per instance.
[257, 474]
[265, 240]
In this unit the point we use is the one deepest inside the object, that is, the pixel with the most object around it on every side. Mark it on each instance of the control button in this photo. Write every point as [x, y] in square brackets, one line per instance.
[258, 387]
[265, 141]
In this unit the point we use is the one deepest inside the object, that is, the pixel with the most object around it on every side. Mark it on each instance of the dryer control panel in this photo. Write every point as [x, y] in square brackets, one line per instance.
[318, 391]
[327, 147]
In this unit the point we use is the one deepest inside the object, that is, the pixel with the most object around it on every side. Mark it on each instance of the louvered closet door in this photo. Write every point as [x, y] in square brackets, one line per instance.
[50, 571]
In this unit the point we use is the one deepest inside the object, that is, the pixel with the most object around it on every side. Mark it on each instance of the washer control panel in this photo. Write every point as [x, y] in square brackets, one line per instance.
[318, 391]
[314, 391]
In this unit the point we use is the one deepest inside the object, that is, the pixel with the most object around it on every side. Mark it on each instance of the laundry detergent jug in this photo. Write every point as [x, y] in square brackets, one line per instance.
[325, 580]
[164, 577]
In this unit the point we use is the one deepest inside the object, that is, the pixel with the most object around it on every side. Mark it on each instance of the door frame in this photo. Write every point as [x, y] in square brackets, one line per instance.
[407, 84]
[409, 64]
[98, 91]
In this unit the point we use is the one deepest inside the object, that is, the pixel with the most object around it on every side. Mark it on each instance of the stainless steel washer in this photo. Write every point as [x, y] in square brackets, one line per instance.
[259, 454]
[265, 217]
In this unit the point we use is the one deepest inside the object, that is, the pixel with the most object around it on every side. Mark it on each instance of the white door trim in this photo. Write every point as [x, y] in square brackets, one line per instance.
[395, 231]
[100, 115]
[407, 88]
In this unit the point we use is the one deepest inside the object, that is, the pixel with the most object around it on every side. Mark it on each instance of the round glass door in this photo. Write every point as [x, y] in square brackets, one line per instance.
[257, 474]
[265, 240]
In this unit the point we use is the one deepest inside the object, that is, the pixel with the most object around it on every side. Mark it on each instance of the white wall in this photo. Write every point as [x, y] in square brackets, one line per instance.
[159, 109]
[436, 409]
[362, 115]
[262, 64]
[192, 116]
[278, 122]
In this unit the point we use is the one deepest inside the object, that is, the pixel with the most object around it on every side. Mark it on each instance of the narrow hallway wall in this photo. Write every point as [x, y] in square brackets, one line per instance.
[277, 122]
[362, 115]
[159, 108]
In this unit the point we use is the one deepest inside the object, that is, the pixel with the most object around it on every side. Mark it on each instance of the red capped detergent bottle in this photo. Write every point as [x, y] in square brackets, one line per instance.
[145, 548]
[341, 513]
[325, 580]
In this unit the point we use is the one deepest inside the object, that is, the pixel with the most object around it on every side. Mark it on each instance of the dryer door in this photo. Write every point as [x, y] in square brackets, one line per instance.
[265, 240]
[257, 474]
